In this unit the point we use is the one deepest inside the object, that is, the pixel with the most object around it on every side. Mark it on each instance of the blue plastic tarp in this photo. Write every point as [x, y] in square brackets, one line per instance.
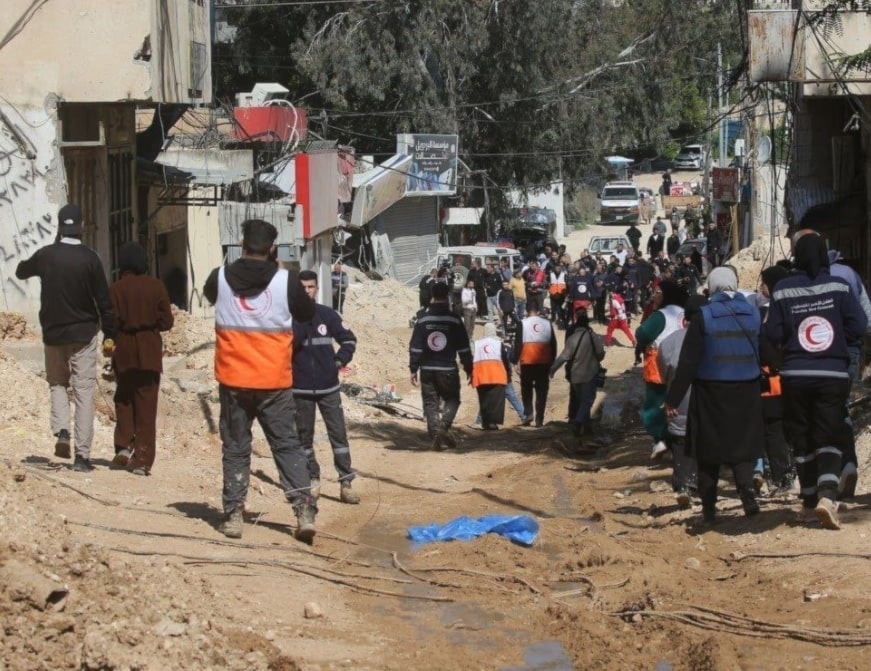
[521, 529]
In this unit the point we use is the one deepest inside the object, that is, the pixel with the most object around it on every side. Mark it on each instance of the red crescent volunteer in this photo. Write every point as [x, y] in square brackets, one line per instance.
[487, 363]
[254, 336]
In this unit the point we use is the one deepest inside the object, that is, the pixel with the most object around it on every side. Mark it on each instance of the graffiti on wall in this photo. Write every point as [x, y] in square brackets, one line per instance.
[26, 223]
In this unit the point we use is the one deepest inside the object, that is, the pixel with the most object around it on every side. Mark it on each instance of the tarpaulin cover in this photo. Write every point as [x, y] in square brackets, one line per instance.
[520, 529]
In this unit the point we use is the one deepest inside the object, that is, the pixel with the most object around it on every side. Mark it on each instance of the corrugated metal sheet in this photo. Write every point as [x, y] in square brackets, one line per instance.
[412, 227]
[776, 46]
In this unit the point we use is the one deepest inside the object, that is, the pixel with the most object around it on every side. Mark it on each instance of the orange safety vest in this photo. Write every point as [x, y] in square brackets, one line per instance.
[774, 388]
[674, 320]
[535, 348]
[557, 284]
[254, 336]
[487, 365]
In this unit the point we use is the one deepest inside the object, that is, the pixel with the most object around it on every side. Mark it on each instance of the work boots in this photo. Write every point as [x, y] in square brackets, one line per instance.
[62, 446]
[348, 495]
[305, 523]
[231, 527]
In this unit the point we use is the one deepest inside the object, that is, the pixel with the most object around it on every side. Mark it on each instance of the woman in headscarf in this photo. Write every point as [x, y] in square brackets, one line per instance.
[491, 372]
[812, 317]
[720, 359]
[581, 354]
[669, 300]
[142, 311]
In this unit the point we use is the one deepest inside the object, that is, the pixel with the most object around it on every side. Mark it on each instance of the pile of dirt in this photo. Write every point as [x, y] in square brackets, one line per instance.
[752, 260]
[72, 605]
[13, 326]
[385, 303]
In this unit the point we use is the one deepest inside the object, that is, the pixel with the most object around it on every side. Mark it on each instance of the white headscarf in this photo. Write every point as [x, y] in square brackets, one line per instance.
[722, 279]
[490, 330]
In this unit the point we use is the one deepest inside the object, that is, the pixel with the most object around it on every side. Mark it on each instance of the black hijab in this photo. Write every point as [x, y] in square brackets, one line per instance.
[811, 255]
[132, 258]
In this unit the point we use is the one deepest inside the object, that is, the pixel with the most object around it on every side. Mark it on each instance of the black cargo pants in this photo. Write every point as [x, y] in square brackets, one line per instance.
[274, 410]
[330, 406]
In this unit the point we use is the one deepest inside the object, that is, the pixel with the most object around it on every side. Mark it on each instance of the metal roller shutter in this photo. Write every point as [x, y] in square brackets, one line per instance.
[412, 227]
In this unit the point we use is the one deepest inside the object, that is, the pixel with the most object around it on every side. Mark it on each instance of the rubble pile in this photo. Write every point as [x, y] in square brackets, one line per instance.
[752, 260]
[13, 326]
[72, 605]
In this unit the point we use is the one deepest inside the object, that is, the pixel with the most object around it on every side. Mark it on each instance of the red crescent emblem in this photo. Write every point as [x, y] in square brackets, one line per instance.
[244, 303]
[536, 327]
[486, 348]
[815, 334]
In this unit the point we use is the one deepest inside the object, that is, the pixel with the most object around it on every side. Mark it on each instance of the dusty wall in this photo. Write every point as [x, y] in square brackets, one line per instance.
[31, 178]
[93, 50]
[206, 253]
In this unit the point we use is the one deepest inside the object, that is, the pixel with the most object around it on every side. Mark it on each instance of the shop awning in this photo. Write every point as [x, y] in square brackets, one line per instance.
[379, 188]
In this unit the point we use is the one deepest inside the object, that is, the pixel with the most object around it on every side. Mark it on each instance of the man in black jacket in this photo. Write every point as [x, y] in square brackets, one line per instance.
[75, 304]
[714, 241]
[316, 386]
[438, 338]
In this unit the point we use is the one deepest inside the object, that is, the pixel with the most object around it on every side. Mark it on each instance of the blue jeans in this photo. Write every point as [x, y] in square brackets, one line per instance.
[492, 307]
[586, 395]
[521, 307]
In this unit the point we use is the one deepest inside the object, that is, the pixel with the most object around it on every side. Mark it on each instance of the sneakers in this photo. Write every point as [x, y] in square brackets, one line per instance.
[827, 514]
[315, 489]
[122, 457]
[305, 523]
[348, 495]
[659, 449]
[526, 421]
[231, 527]
[139, 470]
[847, 483]
[749, 503]
[806, 515]
[62, 446]
[82, 465]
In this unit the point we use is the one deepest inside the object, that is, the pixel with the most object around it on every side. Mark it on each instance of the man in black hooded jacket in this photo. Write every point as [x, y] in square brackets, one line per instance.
[256, 303]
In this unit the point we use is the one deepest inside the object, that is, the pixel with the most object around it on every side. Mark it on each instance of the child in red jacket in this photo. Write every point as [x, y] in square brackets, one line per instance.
[619, 320]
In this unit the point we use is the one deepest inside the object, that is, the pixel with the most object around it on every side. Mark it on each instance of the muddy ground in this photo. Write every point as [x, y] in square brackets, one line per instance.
[618, 578]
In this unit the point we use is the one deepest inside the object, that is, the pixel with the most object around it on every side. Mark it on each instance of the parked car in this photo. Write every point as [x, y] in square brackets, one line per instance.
[690, 157]
[607, 244]
[619, 203]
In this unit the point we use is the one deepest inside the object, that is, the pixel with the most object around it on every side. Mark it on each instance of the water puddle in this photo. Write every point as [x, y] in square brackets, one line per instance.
[544, 656]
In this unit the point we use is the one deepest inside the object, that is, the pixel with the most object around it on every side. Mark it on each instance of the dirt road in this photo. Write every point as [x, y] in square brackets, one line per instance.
[618, 578]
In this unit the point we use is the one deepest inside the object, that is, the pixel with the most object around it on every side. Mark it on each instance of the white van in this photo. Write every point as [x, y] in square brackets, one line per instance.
[619, 203]
[459, 260]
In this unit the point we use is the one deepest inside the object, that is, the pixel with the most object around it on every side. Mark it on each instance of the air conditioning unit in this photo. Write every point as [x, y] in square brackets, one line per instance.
[244, 99]
[262, 93]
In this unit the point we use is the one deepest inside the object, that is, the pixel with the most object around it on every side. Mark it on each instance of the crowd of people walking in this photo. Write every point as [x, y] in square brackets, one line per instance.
[756, 379]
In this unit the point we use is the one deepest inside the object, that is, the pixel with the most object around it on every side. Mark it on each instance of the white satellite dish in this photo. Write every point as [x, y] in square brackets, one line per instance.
[763, 150]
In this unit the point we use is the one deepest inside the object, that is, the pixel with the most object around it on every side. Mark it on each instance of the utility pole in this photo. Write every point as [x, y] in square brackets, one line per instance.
[706, 181]
[720, 111]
